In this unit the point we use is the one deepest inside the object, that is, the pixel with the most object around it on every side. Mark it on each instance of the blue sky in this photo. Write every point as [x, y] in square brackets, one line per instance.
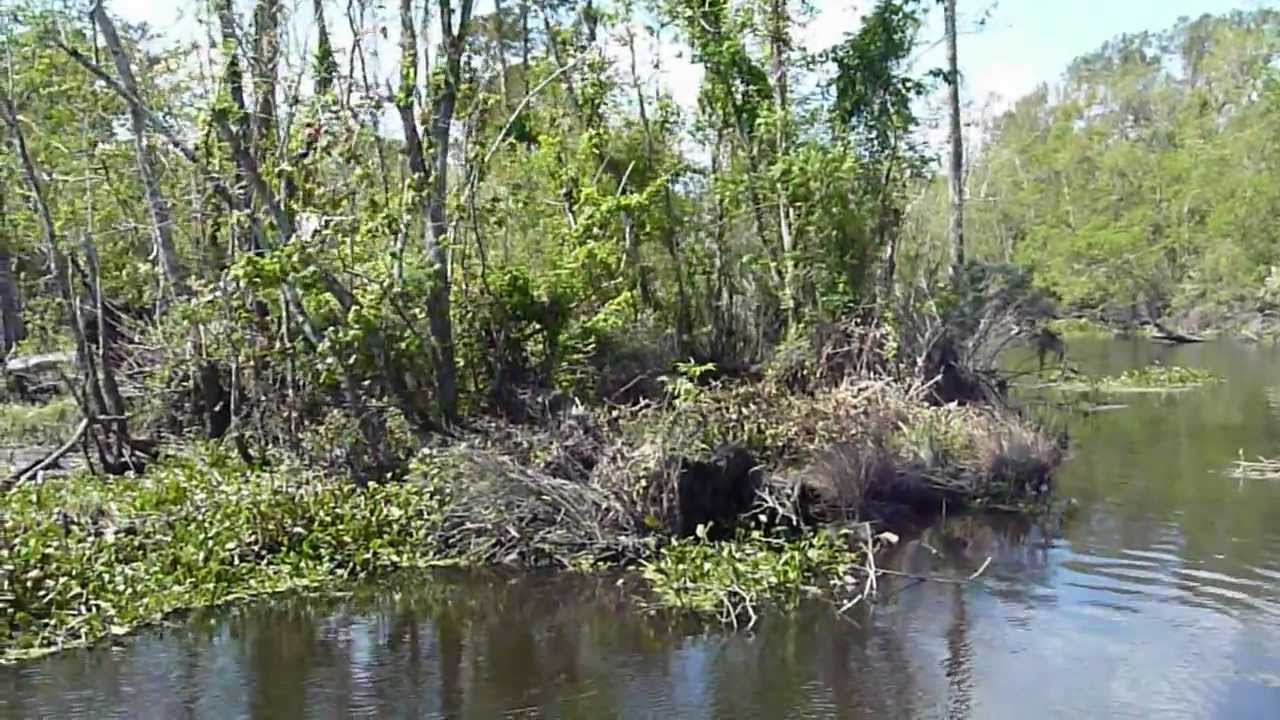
[1027, 42]
[1023, 43]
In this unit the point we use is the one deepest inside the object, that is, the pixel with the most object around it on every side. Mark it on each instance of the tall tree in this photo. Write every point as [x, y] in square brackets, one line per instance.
[157, 206]
[431, 177]
[955, 166]
[874, 107]
[779, 32]
[12, 329]
[266, 68]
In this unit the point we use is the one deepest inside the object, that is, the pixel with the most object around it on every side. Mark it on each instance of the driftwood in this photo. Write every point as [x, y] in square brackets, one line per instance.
[1166, 335]
[34, 364]
[48, 460]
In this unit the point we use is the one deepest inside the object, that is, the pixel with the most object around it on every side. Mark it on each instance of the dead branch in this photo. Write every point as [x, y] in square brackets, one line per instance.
[48, 460]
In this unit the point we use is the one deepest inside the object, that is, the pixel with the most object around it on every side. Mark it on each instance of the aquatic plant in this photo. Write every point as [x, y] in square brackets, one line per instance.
[732, 579]
[1162, 376]
[1150, 378]
[1080, 327]
[81, 559]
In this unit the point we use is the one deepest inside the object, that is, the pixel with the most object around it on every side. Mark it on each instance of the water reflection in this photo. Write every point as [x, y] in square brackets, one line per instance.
[1159, 598]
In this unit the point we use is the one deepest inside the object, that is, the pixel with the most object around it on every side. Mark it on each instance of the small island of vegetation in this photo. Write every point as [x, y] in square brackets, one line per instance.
[269, 321]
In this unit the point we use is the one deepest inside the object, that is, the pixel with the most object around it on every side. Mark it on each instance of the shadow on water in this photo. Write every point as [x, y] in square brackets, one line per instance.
[1160, 597]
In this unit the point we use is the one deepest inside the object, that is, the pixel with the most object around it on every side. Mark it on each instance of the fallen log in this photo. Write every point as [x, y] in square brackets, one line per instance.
[48, 460]
[1164, 334]
[34, 364]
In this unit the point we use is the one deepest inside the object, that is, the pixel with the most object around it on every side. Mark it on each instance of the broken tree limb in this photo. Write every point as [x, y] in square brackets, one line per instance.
[48, 460]
[1171, 336]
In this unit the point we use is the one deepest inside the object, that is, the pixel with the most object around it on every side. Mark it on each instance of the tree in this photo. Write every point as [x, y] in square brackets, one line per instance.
[874, 105]
[955, 167]
[12, 328]
[431, 177]
[157, 207]
[547, 220]
[1140, 186]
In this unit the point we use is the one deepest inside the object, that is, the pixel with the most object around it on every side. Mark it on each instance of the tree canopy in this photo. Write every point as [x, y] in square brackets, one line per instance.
[1145, 183]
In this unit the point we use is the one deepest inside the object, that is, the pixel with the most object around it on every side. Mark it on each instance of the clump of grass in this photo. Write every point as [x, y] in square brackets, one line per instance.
[39, 425]
[82, 558]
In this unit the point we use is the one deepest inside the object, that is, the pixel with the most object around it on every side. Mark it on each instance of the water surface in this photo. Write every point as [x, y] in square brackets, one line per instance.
[1160, 597]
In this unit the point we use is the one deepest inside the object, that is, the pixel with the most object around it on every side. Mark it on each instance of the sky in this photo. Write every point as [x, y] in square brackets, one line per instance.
[1021, 44]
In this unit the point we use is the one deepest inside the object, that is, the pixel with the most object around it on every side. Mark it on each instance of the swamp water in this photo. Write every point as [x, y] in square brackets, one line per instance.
[1159, 597]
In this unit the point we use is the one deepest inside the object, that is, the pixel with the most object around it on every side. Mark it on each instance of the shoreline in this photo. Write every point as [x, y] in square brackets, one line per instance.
[653, 491]
[1199, 325]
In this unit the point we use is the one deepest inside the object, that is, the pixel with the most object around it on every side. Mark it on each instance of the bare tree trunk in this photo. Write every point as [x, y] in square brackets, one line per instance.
[432, 180]
[779, 44]
[12, 329]
[57, 261]
[266, 61]
[956, 165]
[233, 81]
[157, 206]
[499, 27]
[405, 99]
[724, 296]
[888, 227]
[524, 43]
[436, 239]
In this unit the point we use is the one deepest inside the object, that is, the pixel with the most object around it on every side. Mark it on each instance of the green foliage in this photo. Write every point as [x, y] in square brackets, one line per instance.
[731, 578]
[80, 559]
[601, 228]
[48, 424]
[1143, 184]
[874, 95]
[1160, 376]
[1151, 378]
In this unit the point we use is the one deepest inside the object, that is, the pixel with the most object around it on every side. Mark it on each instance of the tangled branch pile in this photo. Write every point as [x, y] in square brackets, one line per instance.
[604, 485]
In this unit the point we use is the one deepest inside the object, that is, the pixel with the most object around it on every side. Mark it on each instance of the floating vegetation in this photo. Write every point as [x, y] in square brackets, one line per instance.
[731, 579]
[1074, 327]
[1154, 378]
[1160, 377]
[81, 559]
